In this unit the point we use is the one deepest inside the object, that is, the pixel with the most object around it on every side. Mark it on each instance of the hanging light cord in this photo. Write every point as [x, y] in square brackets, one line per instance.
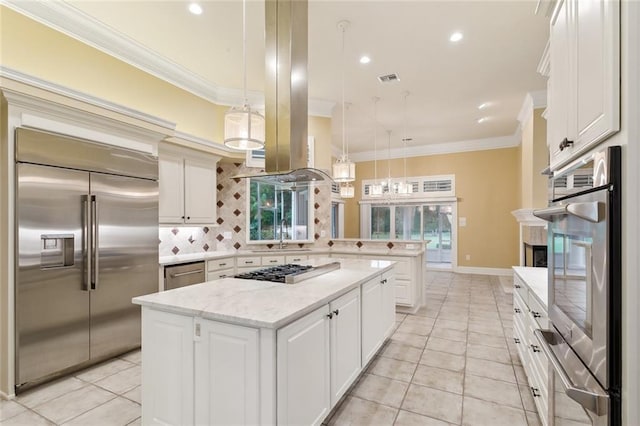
[244, 49]
[405, 140]
[375, 140]
[389, 162]
[344, 29]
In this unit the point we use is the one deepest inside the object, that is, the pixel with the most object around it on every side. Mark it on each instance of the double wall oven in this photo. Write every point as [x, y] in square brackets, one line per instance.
[584, 262]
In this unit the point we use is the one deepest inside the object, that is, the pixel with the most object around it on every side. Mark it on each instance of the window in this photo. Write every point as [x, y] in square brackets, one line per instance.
[380, 222]
[437, 220]
[278, 213]
[407, 223]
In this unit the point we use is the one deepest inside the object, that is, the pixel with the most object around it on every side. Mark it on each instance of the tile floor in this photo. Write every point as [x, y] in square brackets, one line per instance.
[451, 363]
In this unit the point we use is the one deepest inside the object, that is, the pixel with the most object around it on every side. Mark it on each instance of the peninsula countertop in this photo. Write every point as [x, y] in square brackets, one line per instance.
[536, 279]
[264, 304]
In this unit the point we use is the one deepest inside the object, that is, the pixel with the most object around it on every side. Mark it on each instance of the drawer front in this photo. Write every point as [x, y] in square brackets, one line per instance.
[272, 260]
[220, 273]
[296, 258]
[248, 261]
[538, 313]
[217, 264]
[403, 293]
[521, 289]
[245, 269]
[402, 267]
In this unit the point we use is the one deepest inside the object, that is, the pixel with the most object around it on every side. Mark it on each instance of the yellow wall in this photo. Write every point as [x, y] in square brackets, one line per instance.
[320, 129]
[534, 157]
[487, 192]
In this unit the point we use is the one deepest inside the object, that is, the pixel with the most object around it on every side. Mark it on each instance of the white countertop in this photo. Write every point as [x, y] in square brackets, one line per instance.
[537, 280]
[263, 304]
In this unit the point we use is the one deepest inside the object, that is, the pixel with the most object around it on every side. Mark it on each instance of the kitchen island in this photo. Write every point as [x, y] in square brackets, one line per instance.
[235, 351]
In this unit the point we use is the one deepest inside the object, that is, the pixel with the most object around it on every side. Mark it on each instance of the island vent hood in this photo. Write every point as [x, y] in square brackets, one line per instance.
[286, 99]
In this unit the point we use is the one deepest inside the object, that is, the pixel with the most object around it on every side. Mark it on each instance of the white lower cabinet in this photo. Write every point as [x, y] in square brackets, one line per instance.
[226, 384]
[378, 314]
[303, 370]
[346, 362]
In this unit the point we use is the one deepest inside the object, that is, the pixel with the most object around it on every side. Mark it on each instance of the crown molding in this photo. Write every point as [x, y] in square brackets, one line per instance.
[202, 144]
[71, 21]
[442, 148]
[544, 66]
[532, 100]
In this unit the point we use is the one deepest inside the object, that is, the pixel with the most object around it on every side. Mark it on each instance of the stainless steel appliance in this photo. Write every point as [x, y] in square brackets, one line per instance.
[290, 273]
[87, 242]
[584, 246]
[184, 274]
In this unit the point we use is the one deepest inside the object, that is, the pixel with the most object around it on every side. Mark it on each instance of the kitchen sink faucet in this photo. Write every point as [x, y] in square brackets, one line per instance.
[282, 244]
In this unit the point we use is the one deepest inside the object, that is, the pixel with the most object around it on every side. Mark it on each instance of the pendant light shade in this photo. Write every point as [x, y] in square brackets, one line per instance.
[347, 190]
[244, 127]
[344, 170]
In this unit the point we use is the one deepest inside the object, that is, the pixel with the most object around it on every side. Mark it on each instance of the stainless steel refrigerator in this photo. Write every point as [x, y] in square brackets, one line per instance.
[87, 242]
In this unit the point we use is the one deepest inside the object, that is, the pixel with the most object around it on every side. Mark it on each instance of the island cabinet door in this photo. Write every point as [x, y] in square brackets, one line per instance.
[388, 303]
[303, 374]
[167, 368]
[346, 361]
[226, 383]
[372, 318]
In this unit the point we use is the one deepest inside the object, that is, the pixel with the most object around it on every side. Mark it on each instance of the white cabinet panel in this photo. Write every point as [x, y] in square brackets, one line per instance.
[167, 368]
[171, 183]
[296, 258]
[226, 386]
[272, 260]
[303, 370]
[345, 343]
[199, 191]
[388, 309]
[371, 319]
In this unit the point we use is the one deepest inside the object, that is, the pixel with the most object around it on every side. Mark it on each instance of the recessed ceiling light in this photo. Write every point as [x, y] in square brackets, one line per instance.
[483, 120]
[195, 8]
[365, 59]
[455, 37]
[484, 105]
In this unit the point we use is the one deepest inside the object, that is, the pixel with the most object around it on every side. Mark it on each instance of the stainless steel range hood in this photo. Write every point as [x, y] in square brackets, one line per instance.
[286, 99]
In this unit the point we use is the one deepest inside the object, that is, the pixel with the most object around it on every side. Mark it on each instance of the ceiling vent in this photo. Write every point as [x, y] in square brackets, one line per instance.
[389, 78]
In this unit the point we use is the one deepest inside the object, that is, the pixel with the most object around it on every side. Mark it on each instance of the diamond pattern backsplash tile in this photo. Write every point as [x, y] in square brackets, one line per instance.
[231, 218]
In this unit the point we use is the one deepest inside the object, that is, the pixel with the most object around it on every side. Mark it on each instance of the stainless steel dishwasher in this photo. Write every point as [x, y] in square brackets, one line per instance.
[183, 275]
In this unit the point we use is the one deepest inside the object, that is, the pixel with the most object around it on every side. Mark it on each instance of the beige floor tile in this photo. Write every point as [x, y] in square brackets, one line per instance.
[100, 371]
[483, 413]
[445, 333]
[421, 329]
[70, 405]
[521, 376]
[434, 403]
[392, 368]
[428, 311]
[443, 360]
[444, 345]
[410, 339]
[381, 390]
[527, 398]
[134, 394]
[453, 316]
[486, 340]
[10, 409]
[438, 378]
[483, 328]
[533, 419]
[451, 325]
[401, 351]
[47, 392]
[400, 317]
[136, 422]
[413, 319]
[355, 412]
[118, 411]
[27, 418]
[406, 418]
[122, 381]
[497, 391]
[134, 356]
[489, 353]
[490, 369]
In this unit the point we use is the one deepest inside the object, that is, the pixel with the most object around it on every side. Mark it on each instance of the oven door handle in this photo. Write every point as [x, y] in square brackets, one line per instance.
[588, 211]
[592, 401]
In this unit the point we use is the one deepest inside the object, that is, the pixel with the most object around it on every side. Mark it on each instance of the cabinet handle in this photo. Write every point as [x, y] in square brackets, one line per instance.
[248, 262]
[517, 310]
[188, 217]
[330, 315]
[182, 217]
[222, 264]
[337, 312]
[516, 340]
[566, 143]
[536, 314]
[383, 281]
[535, 348]
[517, 286]
[535, 392]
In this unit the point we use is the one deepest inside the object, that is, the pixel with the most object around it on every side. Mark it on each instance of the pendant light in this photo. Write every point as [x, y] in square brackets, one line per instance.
[244, 127]
[344, 170]
[375, 189]
[405, 187]
[347, 190]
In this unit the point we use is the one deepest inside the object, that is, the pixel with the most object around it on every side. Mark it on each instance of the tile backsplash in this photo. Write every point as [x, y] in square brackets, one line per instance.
[231, 218]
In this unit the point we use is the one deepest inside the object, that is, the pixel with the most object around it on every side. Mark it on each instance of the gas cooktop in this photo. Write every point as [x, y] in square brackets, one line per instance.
[290, 273]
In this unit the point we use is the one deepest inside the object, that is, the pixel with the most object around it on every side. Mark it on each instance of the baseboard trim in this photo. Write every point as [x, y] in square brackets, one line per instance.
[7, 397]
[483, 271]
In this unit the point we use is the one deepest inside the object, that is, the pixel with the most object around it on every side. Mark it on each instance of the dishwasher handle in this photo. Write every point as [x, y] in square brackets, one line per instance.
[182, 274]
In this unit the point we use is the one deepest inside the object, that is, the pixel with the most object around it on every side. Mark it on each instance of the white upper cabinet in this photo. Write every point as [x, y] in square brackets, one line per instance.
[187, 186]
[584, 85]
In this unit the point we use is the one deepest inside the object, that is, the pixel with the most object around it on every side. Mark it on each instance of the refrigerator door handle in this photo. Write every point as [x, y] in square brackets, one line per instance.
[94, 243]
[86, 244]
[591, 400]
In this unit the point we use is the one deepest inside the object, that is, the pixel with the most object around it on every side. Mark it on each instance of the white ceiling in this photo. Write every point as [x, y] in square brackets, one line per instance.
[495, 62]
